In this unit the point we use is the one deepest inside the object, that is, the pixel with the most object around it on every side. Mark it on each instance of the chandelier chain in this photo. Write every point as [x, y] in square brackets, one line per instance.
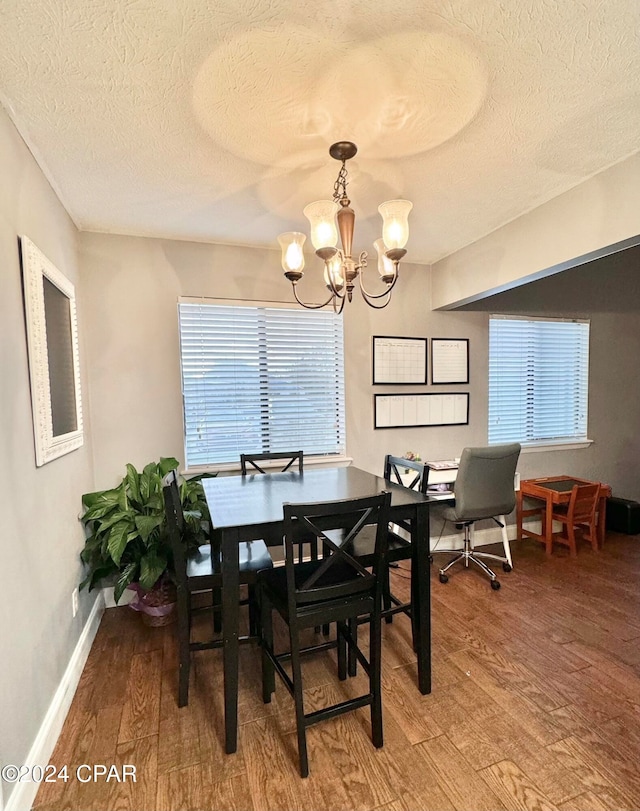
[340, 186]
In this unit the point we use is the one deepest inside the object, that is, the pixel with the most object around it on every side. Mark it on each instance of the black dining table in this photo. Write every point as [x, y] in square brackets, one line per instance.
[245, 508]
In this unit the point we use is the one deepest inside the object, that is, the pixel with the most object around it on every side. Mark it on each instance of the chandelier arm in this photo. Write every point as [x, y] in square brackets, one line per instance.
[369, 295]
[311, 306]
[334, 290]
[368, 300]
[335, 293]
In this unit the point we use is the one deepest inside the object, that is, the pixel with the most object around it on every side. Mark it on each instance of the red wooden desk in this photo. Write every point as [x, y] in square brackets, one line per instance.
[556, 490]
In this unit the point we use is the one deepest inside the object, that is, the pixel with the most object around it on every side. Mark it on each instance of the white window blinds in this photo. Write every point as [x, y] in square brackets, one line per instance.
[538, 379]
[260, 379]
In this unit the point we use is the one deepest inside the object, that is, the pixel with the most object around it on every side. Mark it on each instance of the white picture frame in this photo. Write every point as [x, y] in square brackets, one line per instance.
[54, 361]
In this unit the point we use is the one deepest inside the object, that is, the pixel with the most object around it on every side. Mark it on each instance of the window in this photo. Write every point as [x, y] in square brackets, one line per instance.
[538, 380]
[260, 379]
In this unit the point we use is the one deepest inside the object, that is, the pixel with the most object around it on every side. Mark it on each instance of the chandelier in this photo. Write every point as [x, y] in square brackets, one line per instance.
[340, 268]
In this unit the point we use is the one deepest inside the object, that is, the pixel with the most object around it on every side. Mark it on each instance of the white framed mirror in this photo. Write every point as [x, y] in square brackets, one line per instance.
[54, 363]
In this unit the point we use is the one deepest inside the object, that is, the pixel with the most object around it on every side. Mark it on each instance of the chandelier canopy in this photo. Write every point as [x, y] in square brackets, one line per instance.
[340, 268]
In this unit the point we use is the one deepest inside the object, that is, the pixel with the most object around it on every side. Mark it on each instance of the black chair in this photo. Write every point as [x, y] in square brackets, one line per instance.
[336, 588]
[290, 460]
[249, 461]
[484, 488]
[202, 574]
[398, 545]
[398, 541]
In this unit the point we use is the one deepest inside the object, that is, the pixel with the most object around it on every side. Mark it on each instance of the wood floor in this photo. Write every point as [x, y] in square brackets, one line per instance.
[535, 705]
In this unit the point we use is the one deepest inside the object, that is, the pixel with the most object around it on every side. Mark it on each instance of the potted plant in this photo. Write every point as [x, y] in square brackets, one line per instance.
[413, 457]
[128, 544]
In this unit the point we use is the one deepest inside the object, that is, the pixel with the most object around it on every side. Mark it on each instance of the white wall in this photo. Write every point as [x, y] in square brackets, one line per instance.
[598, 213]
[409, 314]
[41, 536]
[130, 291]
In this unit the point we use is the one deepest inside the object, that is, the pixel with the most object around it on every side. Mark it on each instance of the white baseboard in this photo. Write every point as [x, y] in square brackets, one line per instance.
[24, 794]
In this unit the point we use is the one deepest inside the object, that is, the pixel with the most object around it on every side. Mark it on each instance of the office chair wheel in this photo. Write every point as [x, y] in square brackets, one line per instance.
[444, 578]
[495, 585]
[506, 567]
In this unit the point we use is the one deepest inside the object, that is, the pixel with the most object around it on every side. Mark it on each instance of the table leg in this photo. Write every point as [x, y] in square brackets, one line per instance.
[421, 595]
[548, 524]
[602, 520]
[519, 500]
[230, 628]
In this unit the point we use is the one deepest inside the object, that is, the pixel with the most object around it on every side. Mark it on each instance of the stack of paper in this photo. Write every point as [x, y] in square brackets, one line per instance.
[447, 464]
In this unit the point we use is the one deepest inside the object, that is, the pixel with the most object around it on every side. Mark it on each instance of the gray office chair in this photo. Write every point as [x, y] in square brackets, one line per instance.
[483, 489]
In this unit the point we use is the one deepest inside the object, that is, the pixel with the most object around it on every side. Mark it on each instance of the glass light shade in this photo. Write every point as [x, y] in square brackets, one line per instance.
[395, 224]
[292, 256]
[385, 265]
[322, 217]
[333, 273]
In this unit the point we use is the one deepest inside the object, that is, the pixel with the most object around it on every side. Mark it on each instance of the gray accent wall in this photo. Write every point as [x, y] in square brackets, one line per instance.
[41, 536]
[607, 292]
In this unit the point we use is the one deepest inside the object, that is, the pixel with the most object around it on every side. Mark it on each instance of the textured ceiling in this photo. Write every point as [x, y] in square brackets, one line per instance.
[212, 120]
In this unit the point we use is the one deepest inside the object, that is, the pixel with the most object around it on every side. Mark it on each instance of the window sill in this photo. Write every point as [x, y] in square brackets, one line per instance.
[234, 467]
[569, 445]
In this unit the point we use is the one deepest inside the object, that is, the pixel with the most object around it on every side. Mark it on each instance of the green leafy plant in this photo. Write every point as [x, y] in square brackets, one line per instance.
[128, 540]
